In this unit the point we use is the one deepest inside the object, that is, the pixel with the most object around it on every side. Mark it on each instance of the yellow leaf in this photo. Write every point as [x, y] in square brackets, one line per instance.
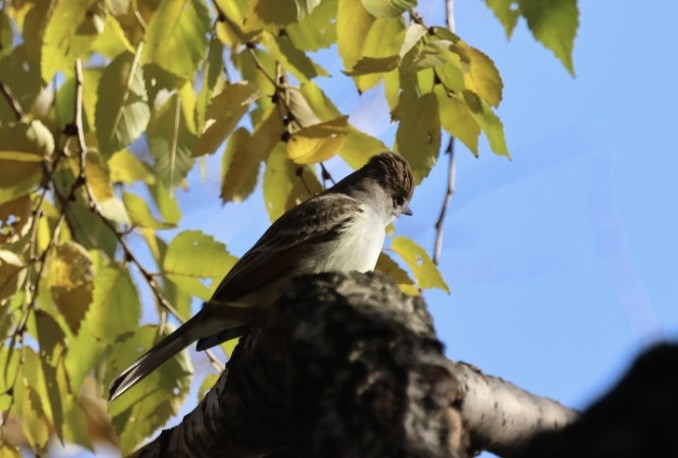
[14, 215]
[391, 268]
[318, 142]
[12, 272]
[457, 119]
[125, 168]
[425, 271]
[482, 76]
[71, 282]
[140, 214]
[239, 168]
[359, 147]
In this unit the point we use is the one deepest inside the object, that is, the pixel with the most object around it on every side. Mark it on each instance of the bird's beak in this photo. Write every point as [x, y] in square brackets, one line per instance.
[407, 211]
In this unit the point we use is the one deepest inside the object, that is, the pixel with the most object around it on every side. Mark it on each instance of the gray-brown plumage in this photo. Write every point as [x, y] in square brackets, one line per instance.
[342, 229]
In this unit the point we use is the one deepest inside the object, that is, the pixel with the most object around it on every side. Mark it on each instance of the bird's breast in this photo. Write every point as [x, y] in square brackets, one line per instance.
[356, 247]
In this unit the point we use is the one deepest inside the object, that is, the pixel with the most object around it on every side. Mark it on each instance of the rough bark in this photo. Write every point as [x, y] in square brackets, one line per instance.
[348, 366]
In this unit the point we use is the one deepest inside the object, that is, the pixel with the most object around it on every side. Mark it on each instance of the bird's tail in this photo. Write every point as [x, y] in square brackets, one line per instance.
[194, 329]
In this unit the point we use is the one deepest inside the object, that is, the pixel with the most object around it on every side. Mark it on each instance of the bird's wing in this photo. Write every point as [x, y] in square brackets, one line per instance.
[287, 242]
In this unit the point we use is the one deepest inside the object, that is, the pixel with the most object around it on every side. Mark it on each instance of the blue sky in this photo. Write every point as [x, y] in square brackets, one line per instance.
[562, 261]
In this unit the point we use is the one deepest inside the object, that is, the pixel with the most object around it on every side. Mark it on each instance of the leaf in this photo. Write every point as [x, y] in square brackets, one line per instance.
[317, 102]
[177, 36]
[71, 279]
[140, 214]
[318, 142]
[171, 142]
[12, 272]
[239, 168]
[245, 62]
[418, 134]
[33, 420]
[51, 339]
[291, 58]
[195, 254]
[482, 76]
[370, 65]
[96, 171]
[112, 40]
[21, 73]
[388, 8]
[154, 400]
[122, 111]
[6, 34]
[457, 118]
[8, 450]
[14, 215]
[212, 81]
[224, 113]
[554, 24]
[353, 25]
[72, 28]
[489, 122]
[125, 168]
[391, 268]
[206, 385]
[115, 307]
[300, 109]
[262, 13]
[359, 147]
[507, 11]
[316, 30]
[287, 184]
[440, 55]
[425, 271]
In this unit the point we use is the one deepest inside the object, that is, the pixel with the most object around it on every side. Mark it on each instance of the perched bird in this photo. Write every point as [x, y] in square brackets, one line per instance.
[340, 230]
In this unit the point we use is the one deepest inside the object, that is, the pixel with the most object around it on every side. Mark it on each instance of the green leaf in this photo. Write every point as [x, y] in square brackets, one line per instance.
[212, 81]
[177, 36]
[21, 73]
[72, 28]
[482, 76]
[171, 142]
[249, 71]
[317, 30]
[154, 400]
[12, 272]
[140, 213]
[318, 142]
[418, 134]
[263, 13]
[554, 24]
[167, 204]
[51, 339]
[489, 122]
[115, 307]
[125, 168]
[388, 8]
[239, 168]
[425, 271]
[391, 268]
[99, 182]
[507, 11]
[112, 40]
[24, 146]
[291, 58]
[207, 385]
[457, 118]
[33, 419]
[195, 254]
[370, 65]
[6, 34]
[71, 282]
[359, 147]
[287, 184]
[440, 55]
[224, 113]
[122, 111]
[317, 102]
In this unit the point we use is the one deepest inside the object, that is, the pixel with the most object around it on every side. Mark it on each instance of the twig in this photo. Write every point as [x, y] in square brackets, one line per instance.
[325, 174]
[449, 192]
[129, 255]
[449, 16]
[12, 101]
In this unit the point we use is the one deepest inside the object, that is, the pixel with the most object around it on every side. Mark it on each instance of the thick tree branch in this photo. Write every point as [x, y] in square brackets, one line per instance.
[346, 365]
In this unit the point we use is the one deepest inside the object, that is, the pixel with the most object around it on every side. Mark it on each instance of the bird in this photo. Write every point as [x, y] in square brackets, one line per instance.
[339, 230]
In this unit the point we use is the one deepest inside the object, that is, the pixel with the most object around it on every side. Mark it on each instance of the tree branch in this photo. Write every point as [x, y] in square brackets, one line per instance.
[449, 192]
[11, 101]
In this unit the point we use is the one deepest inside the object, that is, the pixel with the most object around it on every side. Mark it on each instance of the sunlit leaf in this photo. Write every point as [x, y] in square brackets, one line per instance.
[317, 30]
[457, 118]
[388, 8]
[489, 122]
[418, 134]
[287, 184]
[177, 36]
[391, 268]
[167, 204]
[98, 180]
[291, 58]
[51, 339]
[140, 214]
[318, 142]
[72, 28]
[14, 215]
[171, 142]
[212, 81]
[482, 76]
[122, 111]
[223, 115]
[248, 68]
[154, 400]
[318, 103]
[206, 385]
[195, 254]
[71, 282]
[359, 147]
[112, 40]
[239, 168]
[424, 270]
[262, 13]
[12, 272]
[126, 168]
